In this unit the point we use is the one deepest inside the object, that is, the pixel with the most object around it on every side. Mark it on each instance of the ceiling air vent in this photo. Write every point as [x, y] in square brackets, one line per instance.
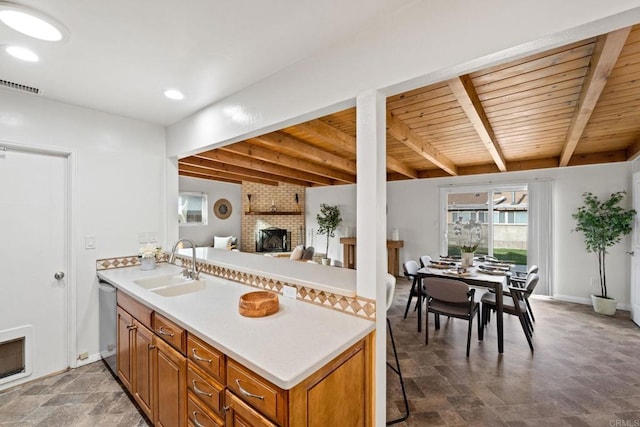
[18, 86]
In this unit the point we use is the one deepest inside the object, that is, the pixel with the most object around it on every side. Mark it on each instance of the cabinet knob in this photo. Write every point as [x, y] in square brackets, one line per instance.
[151, 346]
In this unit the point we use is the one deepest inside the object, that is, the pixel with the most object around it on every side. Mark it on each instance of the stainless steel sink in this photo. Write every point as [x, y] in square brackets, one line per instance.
[171, 286]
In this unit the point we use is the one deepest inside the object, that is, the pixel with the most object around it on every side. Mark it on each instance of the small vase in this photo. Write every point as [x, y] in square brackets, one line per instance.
[467, 259]
[147, 263]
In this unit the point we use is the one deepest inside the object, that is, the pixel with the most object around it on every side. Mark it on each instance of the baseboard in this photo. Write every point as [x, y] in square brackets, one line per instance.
[587, 301]
[92, 358]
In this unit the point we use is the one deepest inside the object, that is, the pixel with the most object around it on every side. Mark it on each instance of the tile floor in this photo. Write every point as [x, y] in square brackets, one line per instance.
[87, 396]
[585, 372]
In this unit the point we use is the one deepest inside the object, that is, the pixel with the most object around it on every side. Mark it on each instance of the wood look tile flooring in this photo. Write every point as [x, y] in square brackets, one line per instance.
[585, 370]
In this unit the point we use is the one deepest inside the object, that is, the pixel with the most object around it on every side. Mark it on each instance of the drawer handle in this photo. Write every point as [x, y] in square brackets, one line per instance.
[131, 327]
[163, 332]
[246, 393]
[195, 419]
[200, 359]
[197, 390]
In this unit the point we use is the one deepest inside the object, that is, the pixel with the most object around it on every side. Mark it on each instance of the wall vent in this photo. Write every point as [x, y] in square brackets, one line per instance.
[18, 86]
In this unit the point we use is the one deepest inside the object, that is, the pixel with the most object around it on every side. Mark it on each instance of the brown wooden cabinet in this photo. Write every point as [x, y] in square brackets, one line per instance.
[149, 368]
[134, 359]
[208, 389]
[170, 394]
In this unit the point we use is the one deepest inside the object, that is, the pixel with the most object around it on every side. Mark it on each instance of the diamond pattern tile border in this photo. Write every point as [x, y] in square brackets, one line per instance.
[357, 306]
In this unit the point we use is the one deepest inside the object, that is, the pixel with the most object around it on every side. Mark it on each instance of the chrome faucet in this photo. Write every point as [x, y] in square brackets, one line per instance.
[194, 273]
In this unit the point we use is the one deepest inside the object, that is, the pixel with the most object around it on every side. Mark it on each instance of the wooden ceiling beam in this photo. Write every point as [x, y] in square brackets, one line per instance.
[225, 175]
[288, 145]
[400, 131]
[605, 55]
[269, 156]
[208, 177]
[230, 168]
[331, 135]
[464, 91]
[633, 151]
[220, 155]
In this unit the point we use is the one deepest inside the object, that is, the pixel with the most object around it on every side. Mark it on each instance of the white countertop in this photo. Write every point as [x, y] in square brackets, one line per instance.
[285, 348]
[340, 281]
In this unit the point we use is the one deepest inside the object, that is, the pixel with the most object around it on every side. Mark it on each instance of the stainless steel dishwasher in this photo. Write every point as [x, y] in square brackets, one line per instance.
[108, 325]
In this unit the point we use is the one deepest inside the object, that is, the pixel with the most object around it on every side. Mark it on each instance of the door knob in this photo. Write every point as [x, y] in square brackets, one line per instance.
[59, 275]
[630, 253]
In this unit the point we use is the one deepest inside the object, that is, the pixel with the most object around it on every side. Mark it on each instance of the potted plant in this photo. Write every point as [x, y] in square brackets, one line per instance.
[328, 220]
[603, 223]
[469, 235]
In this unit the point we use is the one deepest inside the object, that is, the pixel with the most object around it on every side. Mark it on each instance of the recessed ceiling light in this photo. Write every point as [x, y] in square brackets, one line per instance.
[22, 53]
[173, 94]
[31, 22]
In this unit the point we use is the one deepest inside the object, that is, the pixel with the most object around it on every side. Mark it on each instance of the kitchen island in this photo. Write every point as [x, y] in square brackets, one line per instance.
[291, 351]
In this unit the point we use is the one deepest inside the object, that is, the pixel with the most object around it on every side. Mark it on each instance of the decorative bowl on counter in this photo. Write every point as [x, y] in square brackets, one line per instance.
[258, 304]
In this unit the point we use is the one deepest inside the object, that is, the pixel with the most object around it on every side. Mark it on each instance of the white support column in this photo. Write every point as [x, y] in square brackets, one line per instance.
[371, 256]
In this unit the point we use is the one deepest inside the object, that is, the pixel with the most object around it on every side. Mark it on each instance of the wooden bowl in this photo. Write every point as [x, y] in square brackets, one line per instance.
[258, 304]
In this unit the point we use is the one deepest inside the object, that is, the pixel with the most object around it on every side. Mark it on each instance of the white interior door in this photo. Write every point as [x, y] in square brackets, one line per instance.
[635, 259]
[33, 228]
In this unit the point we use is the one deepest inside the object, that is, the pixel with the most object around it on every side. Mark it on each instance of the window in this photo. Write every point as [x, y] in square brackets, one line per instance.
[192, 208]
[503, 215]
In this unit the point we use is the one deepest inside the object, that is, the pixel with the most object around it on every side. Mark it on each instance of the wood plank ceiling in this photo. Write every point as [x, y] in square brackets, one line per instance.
[574, 105]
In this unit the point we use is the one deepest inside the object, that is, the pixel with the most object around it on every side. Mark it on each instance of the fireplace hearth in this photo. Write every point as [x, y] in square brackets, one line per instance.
[273, 240]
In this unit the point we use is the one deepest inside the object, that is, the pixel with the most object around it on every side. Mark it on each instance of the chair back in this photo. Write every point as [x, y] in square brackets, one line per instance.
[425, 260]
[530, 284]
[532, 269]
[308, 253]
[410, 268]
[446, 290]
[391, 289]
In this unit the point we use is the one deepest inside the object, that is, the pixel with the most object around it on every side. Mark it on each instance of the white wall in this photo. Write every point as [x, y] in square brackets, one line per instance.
[202, 235]
[413, 208]
[120, 182]
[343, 196]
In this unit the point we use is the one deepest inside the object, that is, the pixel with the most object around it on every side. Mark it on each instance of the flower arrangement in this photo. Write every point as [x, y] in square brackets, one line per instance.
[469, 234]
[150, 251]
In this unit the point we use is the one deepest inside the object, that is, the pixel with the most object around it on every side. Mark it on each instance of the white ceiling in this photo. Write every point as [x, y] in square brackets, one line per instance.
[121, 54]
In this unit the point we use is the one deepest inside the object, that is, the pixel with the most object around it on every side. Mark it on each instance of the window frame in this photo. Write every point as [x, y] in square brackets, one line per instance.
[204, 208]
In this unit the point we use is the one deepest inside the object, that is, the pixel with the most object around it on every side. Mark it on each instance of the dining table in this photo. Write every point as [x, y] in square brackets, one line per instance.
[473, 276]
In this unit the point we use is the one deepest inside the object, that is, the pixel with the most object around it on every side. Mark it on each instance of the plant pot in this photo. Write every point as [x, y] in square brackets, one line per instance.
[147, 263]
[326, 261]
[602, 305]
[467, 259]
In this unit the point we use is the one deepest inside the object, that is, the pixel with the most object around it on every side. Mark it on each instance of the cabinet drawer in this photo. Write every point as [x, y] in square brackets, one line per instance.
[134, 308]
[170, 332]
[256, 391]
[206, 389]
[199, 416]
[207, 358]
[240, 414]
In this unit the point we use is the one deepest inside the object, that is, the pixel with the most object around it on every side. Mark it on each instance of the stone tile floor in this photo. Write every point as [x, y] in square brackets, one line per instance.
[585, 372]
[86, 396]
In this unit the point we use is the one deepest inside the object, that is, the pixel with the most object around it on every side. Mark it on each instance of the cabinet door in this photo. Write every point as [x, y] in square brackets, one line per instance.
[143, 371]
[124, 357]
[239, 414]
[170, 385]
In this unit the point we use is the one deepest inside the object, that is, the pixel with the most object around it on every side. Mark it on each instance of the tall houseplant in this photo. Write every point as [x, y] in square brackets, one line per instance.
[328, 220]
[603, 223]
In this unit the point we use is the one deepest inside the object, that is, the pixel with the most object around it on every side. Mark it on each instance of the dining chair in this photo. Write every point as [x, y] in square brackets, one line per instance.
[425, 260]
[515, 305]
[519, 279]
[452, 298]
[391, 288]
[411, 272]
